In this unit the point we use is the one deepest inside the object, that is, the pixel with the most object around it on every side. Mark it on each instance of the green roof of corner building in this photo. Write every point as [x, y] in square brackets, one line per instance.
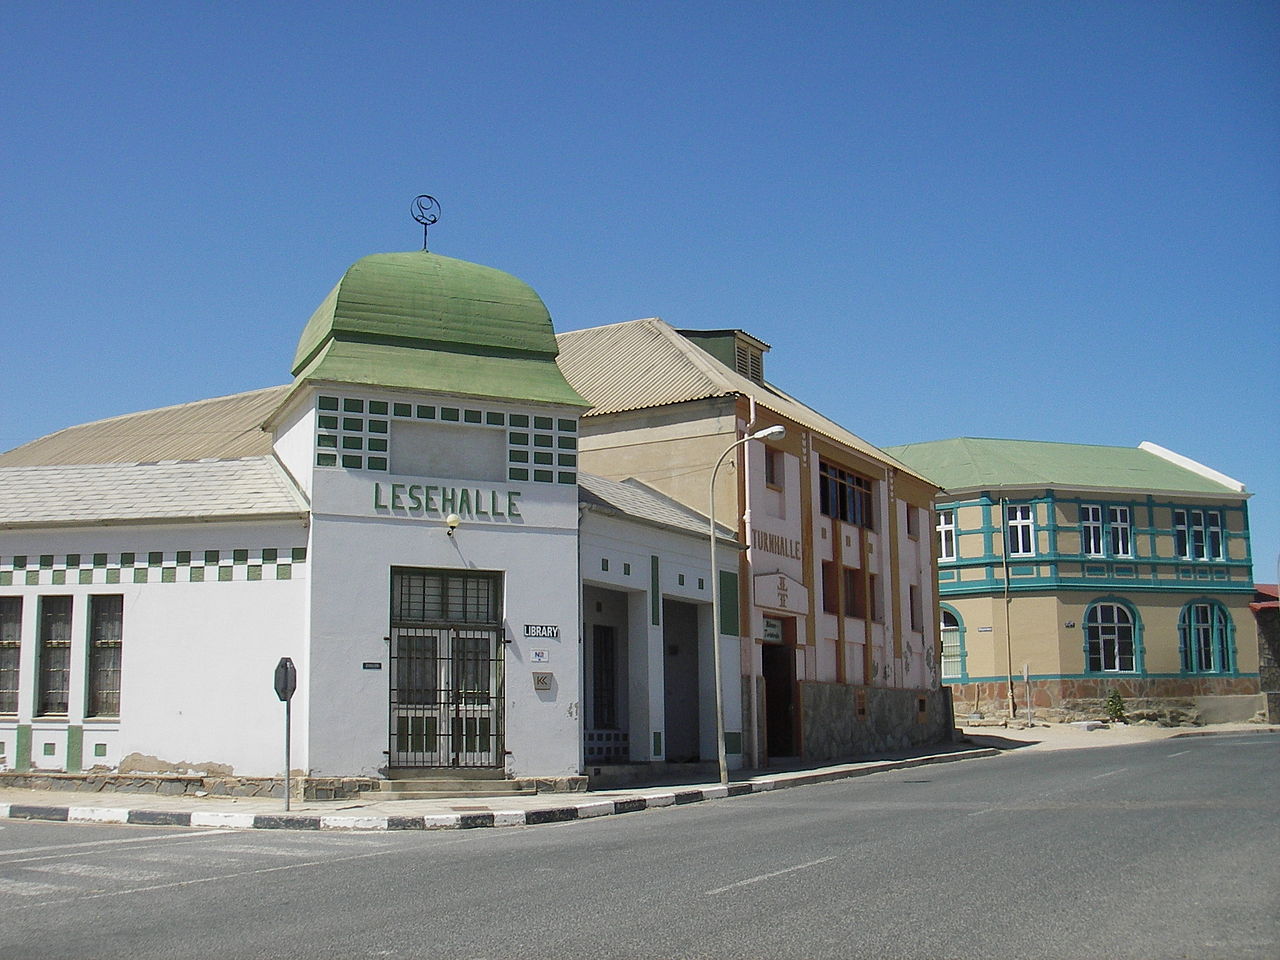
[969, 463]
[421, 321]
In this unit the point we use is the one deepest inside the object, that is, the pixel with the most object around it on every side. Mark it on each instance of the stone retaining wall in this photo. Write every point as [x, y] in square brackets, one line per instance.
[842, 720]
[1170, 701]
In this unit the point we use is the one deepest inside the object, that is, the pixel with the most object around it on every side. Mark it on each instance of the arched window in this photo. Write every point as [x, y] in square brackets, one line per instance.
[951, 630]
[1109, 639]
[1204, 637]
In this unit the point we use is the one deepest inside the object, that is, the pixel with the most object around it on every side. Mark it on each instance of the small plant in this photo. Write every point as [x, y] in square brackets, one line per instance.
[1115, 707]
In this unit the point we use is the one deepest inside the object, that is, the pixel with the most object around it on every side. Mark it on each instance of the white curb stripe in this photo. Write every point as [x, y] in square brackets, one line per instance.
[97, 815]
[442, 821]
[508, 818]
[353, 823]
[214, 818]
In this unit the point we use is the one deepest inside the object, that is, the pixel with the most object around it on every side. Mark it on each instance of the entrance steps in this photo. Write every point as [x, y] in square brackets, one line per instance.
[432, 784]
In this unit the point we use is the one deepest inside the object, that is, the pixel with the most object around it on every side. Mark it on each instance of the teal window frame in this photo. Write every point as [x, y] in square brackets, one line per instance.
[1106, 636]
[953, 648]
[1206, 638]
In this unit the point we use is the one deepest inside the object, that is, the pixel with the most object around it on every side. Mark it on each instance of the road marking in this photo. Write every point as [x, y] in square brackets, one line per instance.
[1178, 754]
[68, 847]
[1109, 773]
[98, 895]
[769, 876]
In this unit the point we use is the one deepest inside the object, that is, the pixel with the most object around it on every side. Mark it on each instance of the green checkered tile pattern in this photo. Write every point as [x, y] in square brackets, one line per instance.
[355, 434]
[155, 566]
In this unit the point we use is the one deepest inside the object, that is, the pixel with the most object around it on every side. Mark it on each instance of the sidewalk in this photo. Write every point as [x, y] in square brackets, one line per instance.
[378, 814]
[468, 813]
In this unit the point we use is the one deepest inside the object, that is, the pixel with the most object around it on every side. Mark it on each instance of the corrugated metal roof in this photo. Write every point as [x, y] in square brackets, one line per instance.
[971, 463]
[252, 487]
[647, 363]
[218, 428]
[635, 500]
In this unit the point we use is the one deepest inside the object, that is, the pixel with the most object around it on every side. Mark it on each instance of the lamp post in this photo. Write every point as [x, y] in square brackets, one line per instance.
[775, 432]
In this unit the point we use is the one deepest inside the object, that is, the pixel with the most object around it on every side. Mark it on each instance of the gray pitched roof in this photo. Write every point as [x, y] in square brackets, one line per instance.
[636, 501]
[247, 488]
[647, 363]
[217, 428]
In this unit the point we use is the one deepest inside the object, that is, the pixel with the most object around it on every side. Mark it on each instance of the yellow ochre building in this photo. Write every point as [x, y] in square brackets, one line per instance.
[1091, 569]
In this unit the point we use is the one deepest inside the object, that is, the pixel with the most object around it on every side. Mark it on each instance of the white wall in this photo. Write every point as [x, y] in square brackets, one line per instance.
[197, 657]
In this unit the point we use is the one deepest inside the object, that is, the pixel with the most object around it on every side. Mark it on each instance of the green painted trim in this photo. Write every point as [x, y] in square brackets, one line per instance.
[728, 603]
[657, 743]
[75, 748]
[733, 741]
[22, 748]
[655, 593]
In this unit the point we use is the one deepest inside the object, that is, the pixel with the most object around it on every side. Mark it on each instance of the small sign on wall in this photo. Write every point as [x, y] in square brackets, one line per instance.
[539, 656]
[542, 682]
[545, 631]
[371, 665]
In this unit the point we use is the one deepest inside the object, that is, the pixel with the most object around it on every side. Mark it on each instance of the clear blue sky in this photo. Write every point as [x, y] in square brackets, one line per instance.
[1043, 220]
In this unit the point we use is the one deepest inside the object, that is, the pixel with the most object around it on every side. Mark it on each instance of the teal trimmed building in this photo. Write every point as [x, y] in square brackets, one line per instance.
[1088, 569]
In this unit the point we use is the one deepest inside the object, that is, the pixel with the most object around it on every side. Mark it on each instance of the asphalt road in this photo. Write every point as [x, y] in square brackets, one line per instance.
[1159, 850]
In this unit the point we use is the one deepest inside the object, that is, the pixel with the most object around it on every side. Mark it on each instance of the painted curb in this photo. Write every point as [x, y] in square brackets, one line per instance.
[582, 810]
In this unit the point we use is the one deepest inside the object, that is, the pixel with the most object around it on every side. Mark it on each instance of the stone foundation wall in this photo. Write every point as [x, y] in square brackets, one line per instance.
[833, 729]
[308, 788]
[1170, 701]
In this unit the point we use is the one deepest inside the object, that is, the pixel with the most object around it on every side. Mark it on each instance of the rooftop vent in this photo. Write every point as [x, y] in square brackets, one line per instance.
[736, 349]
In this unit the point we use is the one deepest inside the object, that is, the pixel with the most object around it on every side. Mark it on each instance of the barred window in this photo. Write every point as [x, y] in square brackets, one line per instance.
[55, 656]
[444, 596]
[10, 652]
[106, 623]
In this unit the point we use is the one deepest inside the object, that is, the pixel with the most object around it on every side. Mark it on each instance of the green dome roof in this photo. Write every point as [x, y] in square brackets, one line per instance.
[425, 322]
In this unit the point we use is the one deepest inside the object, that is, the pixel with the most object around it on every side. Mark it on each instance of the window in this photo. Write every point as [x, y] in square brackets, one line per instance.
[55, 656]
[845, 496]
[106, 620]
[915, 610]
[773, 472]
[1109, 639]
[830, 588]
[1118, 519]
[952, 645]
[913, 522]
[419, 596]
[1197, 534]
[1213, 535]
[855, 594]
[1091, 530]
[10, 652]
[877, 601]
[946, 534]
[1020, 530]
[1204, 635]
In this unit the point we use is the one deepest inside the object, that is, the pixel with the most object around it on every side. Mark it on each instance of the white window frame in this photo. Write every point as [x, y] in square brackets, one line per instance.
[1120, 531]
[1091, 529]
[1213, 541]
[946, 530]
[1198, 534]
[1020, 529]
[1111, 639]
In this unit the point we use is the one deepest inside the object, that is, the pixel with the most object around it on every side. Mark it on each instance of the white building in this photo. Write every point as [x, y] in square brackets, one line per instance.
[405, 521]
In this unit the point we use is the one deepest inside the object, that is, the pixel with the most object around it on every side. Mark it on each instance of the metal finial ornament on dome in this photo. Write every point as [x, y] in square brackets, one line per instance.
[426, 210]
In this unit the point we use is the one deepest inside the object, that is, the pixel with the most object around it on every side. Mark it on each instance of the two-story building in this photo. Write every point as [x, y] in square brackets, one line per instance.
[1091, 569]
[833, 633]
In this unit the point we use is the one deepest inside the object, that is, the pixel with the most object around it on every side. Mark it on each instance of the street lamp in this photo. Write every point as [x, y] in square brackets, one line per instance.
[776, 432]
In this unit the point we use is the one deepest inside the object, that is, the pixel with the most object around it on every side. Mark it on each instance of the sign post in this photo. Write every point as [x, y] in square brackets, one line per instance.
[286, 681]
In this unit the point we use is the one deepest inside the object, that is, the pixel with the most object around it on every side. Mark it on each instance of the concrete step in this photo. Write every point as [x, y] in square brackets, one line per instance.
[446, 773]
[428, 787]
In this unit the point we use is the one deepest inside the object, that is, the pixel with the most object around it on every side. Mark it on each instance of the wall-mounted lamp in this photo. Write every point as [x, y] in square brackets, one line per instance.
[452, 521]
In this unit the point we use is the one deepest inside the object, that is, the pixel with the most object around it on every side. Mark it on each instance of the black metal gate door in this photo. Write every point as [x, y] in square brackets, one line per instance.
[446, 697]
